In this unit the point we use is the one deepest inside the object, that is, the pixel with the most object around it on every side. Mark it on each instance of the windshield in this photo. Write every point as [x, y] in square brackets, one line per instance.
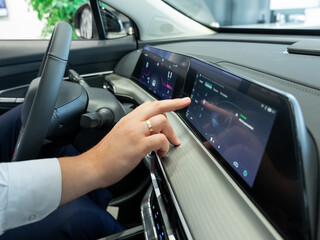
[252, 14]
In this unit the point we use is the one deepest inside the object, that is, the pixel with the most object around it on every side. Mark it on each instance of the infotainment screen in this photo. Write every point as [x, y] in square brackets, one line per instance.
[234, 124]
[252, 131]
[161, 72]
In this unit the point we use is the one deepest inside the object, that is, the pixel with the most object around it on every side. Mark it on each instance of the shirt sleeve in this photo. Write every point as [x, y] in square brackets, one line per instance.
[29, 191]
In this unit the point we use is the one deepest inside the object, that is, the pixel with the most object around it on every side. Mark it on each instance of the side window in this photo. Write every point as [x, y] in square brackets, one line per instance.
[35, 19]
[100, 20]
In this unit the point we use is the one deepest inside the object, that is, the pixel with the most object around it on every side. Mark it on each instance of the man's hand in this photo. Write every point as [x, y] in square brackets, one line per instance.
[121, 150]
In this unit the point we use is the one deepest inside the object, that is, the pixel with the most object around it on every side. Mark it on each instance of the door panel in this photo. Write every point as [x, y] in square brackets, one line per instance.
[89, 56]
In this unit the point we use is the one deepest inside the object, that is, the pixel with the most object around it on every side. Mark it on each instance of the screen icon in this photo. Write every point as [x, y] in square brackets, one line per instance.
[236, 164]
[154, 82]
[245, 173]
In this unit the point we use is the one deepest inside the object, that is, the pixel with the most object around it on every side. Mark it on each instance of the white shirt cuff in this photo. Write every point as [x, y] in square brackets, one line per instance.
[34, 191]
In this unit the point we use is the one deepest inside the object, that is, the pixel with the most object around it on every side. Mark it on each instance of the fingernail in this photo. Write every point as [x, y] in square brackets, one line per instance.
[185, 99]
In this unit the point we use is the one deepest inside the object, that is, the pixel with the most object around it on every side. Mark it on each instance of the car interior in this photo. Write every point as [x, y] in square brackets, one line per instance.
[248, 163]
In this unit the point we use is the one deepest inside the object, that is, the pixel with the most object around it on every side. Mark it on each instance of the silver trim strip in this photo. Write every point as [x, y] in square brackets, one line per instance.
[13, 88]
[92, 74]
[11, 100]
[175, 202]
[303, 147]
[97, 73]
[19, 100]
[7, 100]
[150, 232]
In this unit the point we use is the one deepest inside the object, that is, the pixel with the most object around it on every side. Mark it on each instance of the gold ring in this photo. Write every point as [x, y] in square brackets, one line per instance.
[149, 125]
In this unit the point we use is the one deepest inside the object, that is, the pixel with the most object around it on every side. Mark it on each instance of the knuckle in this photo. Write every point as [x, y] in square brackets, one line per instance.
[163, 139]
[162, 120]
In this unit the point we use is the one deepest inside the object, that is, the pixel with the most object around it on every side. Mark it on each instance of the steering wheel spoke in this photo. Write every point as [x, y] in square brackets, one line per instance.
[37, 111]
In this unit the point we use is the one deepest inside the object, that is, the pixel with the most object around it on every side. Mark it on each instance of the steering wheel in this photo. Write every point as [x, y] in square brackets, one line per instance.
[38, 109]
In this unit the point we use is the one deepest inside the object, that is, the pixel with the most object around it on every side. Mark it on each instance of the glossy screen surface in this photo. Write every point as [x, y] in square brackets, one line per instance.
[234, 124]
[161, 72]
[158, 73]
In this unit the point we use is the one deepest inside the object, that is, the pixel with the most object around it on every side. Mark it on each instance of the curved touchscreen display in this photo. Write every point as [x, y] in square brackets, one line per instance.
[251, 131]
[234, 124]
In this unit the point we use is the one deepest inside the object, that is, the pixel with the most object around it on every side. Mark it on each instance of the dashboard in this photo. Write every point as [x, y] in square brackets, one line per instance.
[248, 164]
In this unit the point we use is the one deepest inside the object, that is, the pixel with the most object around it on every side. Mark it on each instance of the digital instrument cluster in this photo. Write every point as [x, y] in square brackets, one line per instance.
[161, 72]
[158, 75]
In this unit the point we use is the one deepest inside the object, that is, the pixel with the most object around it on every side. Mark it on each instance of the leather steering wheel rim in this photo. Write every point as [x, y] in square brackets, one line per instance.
[38, 110]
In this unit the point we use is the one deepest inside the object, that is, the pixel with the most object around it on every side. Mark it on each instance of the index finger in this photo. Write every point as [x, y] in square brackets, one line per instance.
[151, 109]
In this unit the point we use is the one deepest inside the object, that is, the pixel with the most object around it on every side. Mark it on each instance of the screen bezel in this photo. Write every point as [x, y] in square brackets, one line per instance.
[181, 73]
[288, 134]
